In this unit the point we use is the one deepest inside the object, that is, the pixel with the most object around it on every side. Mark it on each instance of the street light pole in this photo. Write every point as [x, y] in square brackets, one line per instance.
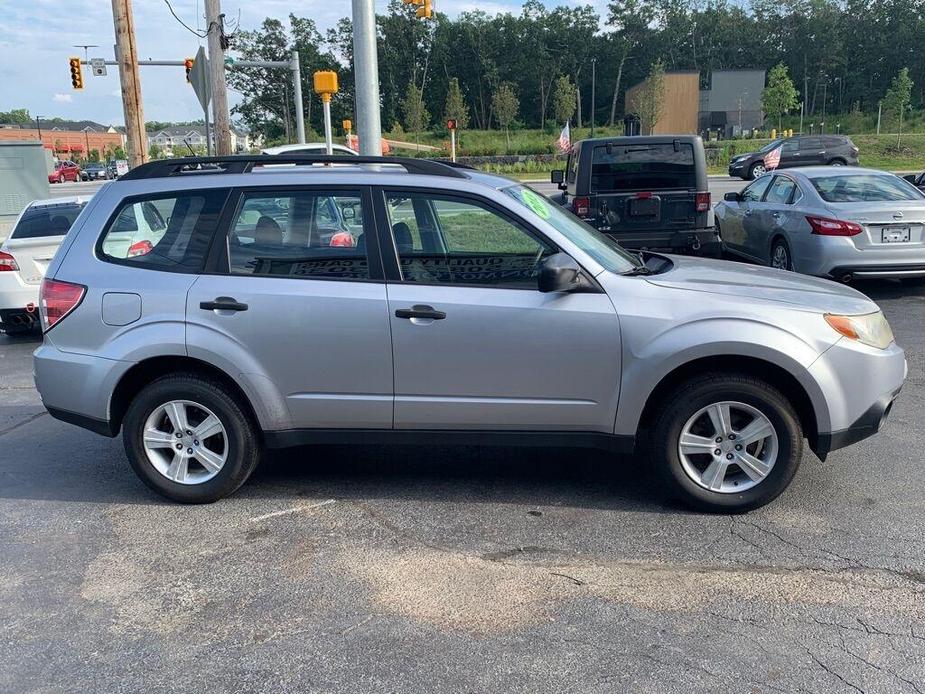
[366, 77]
[593, 79]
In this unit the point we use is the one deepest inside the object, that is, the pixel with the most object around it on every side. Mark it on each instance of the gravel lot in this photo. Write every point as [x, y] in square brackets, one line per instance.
[459, 570]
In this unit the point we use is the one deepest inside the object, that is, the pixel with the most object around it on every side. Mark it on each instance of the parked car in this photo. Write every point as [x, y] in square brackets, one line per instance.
[95, 171]
[64, 171]
[309, 148]
[918, 180]
[799, 150]
[836, 223]
[470, 309]
[26, 253]
[645, 192]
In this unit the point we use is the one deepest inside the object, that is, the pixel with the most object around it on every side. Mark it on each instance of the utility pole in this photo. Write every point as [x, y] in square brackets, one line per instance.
[221, 123]
[593, 79]
[366, 77]
[38, 125]
[127, 57]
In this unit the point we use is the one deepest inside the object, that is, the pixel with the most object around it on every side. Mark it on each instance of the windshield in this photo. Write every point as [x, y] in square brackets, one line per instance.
[607, 252]
[51, 220]
[865, 188]
[771, 145]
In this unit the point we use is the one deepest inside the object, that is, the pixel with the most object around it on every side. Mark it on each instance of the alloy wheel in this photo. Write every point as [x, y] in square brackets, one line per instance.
[728, 447]
[185, 442]
[780, 257]
[758, 170]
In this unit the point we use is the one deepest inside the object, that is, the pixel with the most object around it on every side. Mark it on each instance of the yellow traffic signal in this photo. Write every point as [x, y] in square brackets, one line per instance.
[77, 75]
[188, 66]
[424, 11]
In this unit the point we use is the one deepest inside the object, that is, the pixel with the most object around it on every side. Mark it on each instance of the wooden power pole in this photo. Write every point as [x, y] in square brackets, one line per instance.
[221, 123]
[127, 57]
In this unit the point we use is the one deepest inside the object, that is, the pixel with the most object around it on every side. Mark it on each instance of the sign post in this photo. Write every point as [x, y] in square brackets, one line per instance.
[451, 126]
[199, 77]
[98, 67]
[325, 86]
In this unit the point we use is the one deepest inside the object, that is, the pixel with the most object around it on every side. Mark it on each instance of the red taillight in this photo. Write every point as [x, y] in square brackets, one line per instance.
[7, 262]
[644, 195]
[581, 206]
[342, 239]
[57, 299]
[702, 201]
[833, 227]
[140, 248]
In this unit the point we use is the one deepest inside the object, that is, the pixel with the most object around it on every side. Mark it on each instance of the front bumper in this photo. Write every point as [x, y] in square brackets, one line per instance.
[738, 170]
[859, 385]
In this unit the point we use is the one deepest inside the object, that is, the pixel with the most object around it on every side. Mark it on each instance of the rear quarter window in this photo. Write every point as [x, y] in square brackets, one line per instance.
[643, 167]
[170, 232]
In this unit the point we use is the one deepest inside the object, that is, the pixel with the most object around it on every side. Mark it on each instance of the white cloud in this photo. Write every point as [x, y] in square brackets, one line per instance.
[62, 98]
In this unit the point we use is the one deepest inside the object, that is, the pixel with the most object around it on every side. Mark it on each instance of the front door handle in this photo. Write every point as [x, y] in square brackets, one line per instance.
[223, 303]
[420, 311]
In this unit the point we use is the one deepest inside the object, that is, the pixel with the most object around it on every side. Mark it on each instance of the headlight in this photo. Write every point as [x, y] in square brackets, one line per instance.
[870, 329]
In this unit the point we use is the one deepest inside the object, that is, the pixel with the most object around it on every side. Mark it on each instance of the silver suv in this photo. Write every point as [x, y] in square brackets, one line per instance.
[213, 308]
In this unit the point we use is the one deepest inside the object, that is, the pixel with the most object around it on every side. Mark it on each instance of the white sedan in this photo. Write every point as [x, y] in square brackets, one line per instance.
[30, 247]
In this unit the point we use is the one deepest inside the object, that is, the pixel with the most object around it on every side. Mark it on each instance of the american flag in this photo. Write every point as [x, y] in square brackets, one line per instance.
[565, 139]
[772, 160]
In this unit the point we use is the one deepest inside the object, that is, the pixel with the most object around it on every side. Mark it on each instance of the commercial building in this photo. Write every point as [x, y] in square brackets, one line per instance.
[732, 104]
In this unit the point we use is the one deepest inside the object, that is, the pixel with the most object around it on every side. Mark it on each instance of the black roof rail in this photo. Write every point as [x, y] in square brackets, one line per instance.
[244, 163]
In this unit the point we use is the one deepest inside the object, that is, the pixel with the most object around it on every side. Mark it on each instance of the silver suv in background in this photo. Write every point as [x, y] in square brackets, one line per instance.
[397, 300]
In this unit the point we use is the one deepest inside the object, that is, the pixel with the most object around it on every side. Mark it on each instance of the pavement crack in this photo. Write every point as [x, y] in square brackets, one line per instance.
[832, 672]
[23, 423]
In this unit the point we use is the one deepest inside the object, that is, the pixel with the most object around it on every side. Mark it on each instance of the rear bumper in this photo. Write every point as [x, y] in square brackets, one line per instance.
[878, 271]
[19, 319]
[699, 241]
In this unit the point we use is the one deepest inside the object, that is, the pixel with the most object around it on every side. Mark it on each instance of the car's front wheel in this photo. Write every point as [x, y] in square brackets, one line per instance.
[757, 169]
[726, 443]
[61, 178]
[189, 439]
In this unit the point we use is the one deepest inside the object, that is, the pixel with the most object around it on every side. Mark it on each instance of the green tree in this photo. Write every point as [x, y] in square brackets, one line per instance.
[650, 101]
[564, 96]
[898, 99]
[17, 116]
[416, 115]
[455, 106]
[780, 95]
[505, 104]
[155, 151]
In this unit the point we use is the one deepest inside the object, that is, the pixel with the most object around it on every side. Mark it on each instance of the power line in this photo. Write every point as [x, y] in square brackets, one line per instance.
[184, 24]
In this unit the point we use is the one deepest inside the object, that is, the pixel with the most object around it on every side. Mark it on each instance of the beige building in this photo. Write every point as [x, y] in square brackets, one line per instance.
[680, 104]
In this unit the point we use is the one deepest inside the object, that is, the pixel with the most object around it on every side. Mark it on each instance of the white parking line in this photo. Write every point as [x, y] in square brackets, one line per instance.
[297, 509]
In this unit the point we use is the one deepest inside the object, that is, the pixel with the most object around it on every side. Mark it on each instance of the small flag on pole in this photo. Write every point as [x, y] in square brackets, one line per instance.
[772, 160]
[565, 139]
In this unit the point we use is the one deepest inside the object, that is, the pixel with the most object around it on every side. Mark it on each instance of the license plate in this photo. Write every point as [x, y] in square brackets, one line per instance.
[895, 235]
[644, 207]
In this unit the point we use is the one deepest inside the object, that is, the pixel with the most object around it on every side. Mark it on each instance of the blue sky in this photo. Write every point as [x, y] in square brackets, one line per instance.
[36, 39]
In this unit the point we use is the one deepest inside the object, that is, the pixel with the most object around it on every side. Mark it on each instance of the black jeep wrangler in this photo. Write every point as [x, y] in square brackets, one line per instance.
[646, 192]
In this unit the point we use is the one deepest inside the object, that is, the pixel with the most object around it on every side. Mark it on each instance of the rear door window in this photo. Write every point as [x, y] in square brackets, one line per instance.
[299, 234]
[661, 166]
[41, 221]
[811, 143]
[169, 232]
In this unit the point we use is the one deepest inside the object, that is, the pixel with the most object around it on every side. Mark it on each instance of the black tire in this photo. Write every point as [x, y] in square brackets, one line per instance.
[781, 249]
[838, 162]
[699, 392]
[753, 170]
[243, 452]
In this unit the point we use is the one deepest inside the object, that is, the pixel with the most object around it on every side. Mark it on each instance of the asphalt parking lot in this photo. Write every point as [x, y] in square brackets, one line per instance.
[459, 570]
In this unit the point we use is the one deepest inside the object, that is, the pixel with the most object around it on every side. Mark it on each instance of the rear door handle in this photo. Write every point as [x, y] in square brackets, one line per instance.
[420, 311]
[223, 303]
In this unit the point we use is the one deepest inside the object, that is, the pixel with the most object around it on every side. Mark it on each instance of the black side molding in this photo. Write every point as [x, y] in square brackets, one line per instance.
[97, 426]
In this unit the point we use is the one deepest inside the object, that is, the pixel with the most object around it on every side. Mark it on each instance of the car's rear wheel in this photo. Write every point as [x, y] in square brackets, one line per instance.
[189, 439]
[757, 169]
[726, 443]
[837, 162]
[780, 255]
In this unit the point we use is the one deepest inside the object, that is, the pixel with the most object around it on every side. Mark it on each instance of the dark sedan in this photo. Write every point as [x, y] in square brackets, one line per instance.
[95, 172]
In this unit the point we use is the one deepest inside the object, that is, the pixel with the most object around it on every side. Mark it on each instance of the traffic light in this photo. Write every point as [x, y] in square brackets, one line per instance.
[424, 10]
[77, 75]
[188, 66]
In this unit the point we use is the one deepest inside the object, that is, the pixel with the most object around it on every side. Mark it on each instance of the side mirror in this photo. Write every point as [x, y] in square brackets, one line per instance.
[557, 176]
[733, 197]
[560, 273]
